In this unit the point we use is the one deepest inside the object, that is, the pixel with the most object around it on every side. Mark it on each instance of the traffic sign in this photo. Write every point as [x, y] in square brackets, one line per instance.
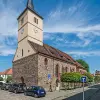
[49, 76]
[83, 79]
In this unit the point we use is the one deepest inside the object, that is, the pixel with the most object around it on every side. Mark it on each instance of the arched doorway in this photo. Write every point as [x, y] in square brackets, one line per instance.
[22, 79]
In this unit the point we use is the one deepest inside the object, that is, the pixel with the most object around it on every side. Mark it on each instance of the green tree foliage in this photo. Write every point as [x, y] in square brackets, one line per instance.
[9, 79]
[1, 79]
[71, 77]
[89, 77]
[97, 79]
[84, 64]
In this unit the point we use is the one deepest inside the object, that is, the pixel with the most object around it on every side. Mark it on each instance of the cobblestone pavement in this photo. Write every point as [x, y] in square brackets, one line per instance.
[5, 95]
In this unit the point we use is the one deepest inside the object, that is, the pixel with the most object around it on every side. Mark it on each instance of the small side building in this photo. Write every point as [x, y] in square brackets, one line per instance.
[6, 73]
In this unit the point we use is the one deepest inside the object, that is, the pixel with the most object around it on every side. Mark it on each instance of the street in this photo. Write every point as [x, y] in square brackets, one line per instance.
[92, 94]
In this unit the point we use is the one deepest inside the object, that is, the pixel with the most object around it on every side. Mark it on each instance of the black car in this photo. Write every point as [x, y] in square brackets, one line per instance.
[1, 84]
[36, 91]
[5, 86]
[17, 88]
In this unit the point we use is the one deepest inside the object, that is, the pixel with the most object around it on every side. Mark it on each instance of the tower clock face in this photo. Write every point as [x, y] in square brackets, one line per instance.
[35, 30]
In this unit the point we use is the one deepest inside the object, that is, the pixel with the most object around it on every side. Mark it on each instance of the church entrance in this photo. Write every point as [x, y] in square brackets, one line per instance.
[22, 80]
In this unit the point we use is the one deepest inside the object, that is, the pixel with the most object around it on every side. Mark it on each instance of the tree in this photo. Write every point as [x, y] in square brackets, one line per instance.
[84, 64]
[89, 77]
[1, 79]
[9, 79]
[97, 79]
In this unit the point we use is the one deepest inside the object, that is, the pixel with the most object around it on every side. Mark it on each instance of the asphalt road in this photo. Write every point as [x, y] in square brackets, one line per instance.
[92, 94]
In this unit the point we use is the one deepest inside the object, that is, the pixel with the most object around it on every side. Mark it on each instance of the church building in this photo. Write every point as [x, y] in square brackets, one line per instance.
[36, 63]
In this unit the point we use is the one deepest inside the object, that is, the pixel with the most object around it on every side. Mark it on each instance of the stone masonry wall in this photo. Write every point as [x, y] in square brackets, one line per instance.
[44, 70]
[26, 68]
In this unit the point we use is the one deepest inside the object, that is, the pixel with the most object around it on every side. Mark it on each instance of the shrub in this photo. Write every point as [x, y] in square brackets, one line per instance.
[89, 77]
[1, 79]
[71, 77]
[9, 79]
[97, 79]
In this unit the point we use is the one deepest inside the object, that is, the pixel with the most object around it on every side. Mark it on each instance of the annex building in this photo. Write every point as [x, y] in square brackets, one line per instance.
[34, 60]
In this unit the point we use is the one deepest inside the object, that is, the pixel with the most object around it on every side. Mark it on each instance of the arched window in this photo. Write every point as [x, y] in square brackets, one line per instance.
[66, 69]
[63, 69]
[22, 52]
[45, 61]
[57, 70]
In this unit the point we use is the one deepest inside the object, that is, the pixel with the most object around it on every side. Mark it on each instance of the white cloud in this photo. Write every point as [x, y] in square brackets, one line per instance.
[74, 19]
[84, 53]
[7, 51]
[8, 26]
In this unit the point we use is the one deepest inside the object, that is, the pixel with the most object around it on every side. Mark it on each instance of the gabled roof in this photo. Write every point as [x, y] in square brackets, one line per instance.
[7, 72]
[53, 52]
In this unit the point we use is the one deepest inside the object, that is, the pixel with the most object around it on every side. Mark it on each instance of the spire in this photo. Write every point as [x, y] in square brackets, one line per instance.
[30, 4]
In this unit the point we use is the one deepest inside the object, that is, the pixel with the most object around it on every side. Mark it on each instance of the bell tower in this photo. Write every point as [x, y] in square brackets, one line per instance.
[30, 25]
[30, 28]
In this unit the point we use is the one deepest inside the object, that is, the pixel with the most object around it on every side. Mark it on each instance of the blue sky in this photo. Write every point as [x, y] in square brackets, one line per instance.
[72, 26]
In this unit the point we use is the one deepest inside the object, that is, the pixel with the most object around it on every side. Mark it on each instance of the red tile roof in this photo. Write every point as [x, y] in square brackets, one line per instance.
[53, 52]
[7, 72]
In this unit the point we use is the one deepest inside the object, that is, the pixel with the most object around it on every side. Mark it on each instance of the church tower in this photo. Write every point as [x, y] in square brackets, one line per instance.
[30, 28]
[30, 25]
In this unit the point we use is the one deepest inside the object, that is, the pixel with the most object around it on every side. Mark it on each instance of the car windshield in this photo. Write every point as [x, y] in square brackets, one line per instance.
[38, 88]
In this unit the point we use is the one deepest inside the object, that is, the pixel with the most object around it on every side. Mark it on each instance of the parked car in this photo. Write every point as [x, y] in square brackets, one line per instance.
[36, 91]
[1, 84]
[17, 88]
[5, 86]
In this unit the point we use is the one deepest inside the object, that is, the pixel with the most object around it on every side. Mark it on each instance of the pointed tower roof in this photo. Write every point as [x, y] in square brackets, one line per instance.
[30, 7]
[30, 4]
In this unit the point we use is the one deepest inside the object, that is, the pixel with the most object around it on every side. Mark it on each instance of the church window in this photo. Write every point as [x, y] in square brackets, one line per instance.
[62, 69]
[35, 20]
[22, 20]
[57, 70]
[22, 52]
[66, 69]
[45, 61]
[28, 50]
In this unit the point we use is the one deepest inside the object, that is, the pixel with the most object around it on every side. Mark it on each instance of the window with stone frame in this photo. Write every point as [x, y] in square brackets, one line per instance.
[66, 69]
[22, 52]
[46, 62]
[35, 20]
[63, 69]
[22, 20]
[57, 71]
[72, 70]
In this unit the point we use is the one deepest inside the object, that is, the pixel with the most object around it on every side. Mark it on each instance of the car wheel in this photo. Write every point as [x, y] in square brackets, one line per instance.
[25, 93]
[35, 95]
[15, 91]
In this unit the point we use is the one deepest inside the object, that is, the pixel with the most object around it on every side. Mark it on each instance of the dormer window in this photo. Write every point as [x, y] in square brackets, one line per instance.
[35, 20]
[22, 20]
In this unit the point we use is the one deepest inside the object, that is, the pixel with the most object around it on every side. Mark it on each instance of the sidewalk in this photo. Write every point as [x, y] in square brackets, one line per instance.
[56, 95]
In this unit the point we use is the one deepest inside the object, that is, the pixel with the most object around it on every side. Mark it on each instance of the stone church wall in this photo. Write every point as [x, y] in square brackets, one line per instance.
[26, 69]
[44, 70]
